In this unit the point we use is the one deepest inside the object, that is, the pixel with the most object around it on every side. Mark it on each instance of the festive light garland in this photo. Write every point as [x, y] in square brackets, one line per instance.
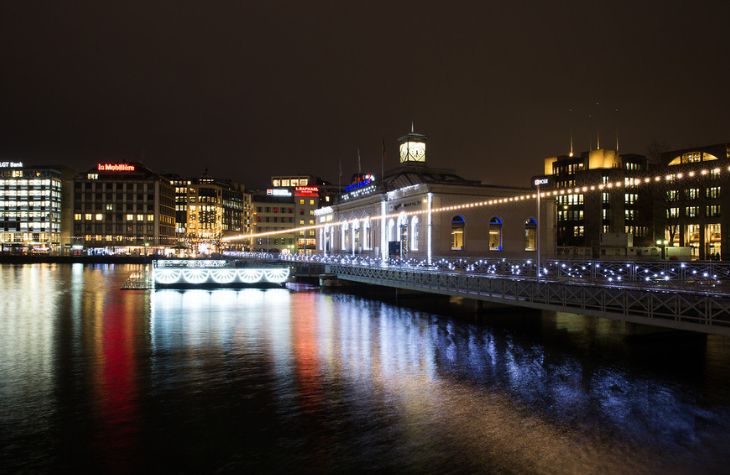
[634, 182]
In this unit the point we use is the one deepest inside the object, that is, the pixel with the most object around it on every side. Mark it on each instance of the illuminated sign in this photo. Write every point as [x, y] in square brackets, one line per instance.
[278, 192]
[306, 191]
[115, 167]
[360, 181]
[541, 181]
[11, 164]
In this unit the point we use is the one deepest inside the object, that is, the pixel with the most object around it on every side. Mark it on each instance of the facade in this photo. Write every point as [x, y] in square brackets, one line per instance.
[307, 194]
[273, 212]
[35, 208]
[123, 208]
[421, 213]
[206, 210]
[690, 200]
[612, 222]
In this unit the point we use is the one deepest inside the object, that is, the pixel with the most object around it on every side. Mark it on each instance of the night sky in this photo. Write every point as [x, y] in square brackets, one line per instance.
[259, 88]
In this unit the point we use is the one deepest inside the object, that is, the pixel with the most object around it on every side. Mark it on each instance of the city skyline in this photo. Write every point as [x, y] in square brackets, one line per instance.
[233, 87]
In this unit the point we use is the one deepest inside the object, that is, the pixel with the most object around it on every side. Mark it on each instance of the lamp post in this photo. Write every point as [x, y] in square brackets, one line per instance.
[662, 243]
[537, 182]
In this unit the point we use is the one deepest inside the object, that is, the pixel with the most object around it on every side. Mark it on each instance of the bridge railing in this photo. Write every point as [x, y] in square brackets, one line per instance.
[702, 275]
[707, 312]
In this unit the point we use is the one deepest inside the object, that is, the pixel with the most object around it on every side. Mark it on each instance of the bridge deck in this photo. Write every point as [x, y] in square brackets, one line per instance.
[699, 311]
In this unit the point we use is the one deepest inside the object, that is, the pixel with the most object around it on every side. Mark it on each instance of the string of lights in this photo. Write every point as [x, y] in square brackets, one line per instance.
[598, 187]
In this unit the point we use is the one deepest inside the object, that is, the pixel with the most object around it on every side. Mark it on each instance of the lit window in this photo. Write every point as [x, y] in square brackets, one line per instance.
[301, 202]
[130, 217]
[140, 217]
[495, 234]
[311, 202]
[110, 207]
[457, 233]
[87, 216]
[77, 217]
[99, 216]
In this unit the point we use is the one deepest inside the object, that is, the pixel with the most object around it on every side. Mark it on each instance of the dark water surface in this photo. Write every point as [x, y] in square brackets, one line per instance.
[95, 378]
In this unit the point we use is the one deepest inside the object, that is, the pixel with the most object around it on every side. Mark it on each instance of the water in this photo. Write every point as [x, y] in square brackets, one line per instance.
[95, 378]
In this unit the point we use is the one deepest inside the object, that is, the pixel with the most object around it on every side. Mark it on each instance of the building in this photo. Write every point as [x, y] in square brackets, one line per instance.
[291, 202]
[274, 211]
[206, 210]
[123, 208]
[422, 213]
[35, 208]
[690, 200]
[617, 221]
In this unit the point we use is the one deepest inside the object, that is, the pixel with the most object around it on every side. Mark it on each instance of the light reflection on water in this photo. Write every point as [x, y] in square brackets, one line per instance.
[95, 377]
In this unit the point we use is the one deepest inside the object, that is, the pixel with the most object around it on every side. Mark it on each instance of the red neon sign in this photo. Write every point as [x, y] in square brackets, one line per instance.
[306, 191]
[115, 167]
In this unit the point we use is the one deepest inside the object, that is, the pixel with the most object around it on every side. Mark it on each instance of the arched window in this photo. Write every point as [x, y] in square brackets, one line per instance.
[345, 228]
[367, 239]
[403, 232]
[328, 239]
[391, 230]
[414, 233]
[356, 243]
[530, 234]
[495, 234]
[457, 233]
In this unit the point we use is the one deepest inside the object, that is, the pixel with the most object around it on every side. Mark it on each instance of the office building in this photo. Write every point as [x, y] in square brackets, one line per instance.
[123, 208]
[35, 208]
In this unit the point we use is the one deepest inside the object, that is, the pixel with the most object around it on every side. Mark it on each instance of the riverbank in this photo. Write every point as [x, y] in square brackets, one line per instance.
[45, 259]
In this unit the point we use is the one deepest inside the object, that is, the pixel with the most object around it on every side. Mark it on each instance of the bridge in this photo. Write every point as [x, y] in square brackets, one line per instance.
[692, 296]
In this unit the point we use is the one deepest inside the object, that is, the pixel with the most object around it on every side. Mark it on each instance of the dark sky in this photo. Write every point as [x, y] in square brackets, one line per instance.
[252, 89]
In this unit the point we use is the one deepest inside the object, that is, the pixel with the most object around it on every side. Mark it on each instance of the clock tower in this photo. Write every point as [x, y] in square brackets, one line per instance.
[412, 148]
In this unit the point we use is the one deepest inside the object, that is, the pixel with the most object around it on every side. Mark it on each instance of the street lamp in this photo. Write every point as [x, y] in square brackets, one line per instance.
[538, 182]
[662, 243]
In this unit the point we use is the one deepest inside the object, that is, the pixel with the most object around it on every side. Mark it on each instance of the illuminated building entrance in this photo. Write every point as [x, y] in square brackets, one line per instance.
[713, 241]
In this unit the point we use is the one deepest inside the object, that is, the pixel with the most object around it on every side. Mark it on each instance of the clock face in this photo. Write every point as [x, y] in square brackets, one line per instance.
[413, 152]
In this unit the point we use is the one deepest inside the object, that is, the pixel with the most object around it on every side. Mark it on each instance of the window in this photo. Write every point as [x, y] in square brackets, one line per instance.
[77, 217]
[692, 193]
[99, 216]
[495, 234]
[530, 234]
[87, 216]
[631, 198]
[630, 214]
[672, 195]
[367, 242]
[311, 202]
[343, 237]
[578, 231]
[301, 201]
[713, 210]
[414, 233]
[692, 211]
[713, 192]
[673, 213]
[457, 233]
[604, 198]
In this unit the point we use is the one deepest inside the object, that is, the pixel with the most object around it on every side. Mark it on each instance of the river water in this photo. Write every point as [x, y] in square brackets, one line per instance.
[302, 381]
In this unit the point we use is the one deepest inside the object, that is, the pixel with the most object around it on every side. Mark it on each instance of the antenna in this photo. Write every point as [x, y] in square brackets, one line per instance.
[359, 165]
[412, 129]
[570, 154]
[339, 176]
[382, 161]
[617, 122]
[598, 133]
